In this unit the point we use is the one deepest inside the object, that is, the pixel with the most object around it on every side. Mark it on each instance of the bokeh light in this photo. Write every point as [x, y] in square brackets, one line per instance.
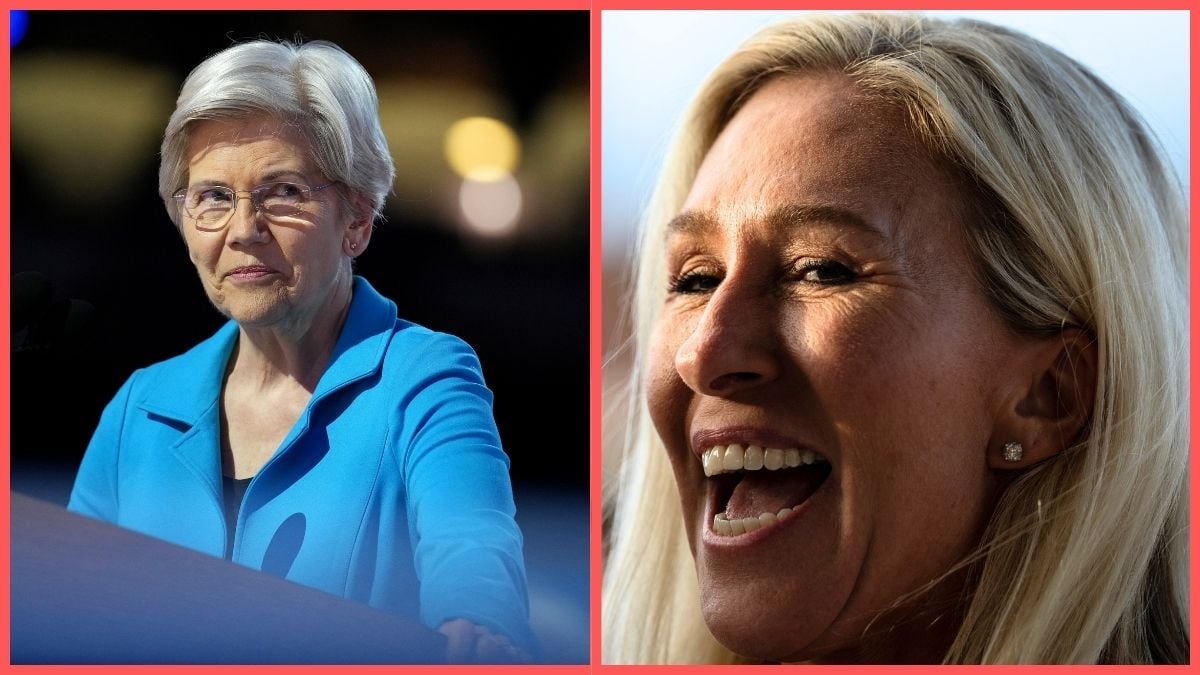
[60, 101]
[482, 149]
[492, 207]
[415, 114]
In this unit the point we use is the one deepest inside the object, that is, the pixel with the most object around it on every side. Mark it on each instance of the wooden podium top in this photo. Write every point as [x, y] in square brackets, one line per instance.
[83, 591]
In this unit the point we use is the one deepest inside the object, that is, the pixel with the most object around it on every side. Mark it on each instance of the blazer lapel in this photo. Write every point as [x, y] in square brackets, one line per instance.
[199, 450]
[186, 396]
[363, 341]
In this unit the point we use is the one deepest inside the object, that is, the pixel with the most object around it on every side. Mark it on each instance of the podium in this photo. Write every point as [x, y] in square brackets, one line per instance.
[83, 591]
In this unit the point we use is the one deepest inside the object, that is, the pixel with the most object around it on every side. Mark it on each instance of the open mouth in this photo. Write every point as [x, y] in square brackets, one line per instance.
[759, 487]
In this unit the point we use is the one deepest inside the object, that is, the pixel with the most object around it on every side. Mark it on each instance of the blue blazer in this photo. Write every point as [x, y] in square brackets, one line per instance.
[391, 489]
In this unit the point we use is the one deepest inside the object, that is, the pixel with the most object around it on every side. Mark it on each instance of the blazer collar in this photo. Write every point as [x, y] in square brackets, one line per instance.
[188, 386]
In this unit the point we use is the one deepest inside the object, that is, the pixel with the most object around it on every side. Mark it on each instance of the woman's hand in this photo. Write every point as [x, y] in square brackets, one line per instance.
[467, 642]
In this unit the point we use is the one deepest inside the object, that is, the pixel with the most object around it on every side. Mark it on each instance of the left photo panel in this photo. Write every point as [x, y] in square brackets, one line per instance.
[299, 354]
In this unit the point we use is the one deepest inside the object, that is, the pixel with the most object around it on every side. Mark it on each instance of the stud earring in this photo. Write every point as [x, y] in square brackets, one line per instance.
[353, 246]
[1013, 452]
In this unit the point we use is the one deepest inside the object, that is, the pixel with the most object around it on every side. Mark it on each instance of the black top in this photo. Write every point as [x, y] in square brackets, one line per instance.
[234, 490]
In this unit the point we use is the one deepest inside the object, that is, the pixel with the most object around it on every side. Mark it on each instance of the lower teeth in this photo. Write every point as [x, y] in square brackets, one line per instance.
[731, 528]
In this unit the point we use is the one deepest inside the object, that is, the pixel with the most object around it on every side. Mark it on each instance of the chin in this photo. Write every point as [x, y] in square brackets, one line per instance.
[750, 626]
[254, 314]
[252, 308]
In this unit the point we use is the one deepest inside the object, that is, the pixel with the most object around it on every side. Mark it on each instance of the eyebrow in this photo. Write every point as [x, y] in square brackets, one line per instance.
[693, 222]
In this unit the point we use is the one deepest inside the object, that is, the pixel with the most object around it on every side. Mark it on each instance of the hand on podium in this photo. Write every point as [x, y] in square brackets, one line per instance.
[467, 642]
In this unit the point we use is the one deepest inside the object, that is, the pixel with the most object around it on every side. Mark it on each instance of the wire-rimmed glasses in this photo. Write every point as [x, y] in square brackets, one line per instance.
[211, 206]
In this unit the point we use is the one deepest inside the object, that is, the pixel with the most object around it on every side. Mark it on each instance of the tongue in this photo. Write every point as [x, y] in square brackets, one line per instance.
[761, 492]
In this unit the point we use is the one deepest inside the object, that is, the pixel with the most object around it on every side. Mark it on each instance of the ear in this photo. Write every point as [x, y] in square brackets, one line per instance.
[1051, 402]
[358, 233]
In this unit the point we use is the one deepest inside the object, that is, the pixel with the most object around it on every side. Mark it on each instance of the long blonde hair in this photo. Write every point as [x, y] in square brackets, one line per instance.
[1078, 222]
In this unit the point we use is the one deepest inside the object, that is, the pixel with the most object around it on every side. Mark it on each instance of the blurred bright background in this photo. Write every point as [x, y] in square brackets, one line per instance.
[655, 61]
[485, 237]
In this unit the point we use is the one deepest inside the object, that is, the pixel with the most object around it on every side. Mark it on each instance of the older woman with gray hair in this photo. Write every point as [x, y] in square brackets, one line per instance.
[315, 436]
[910, 363]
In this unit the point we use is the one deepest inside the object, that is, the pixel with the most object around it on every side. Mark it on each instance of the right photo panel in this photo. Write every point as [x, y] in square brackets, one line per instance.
[895, 337]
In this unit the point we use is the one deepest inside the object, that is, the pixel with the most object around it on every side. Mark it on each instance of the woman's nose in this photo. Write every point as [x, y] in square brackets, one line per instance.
[246, 224]
[733, 347]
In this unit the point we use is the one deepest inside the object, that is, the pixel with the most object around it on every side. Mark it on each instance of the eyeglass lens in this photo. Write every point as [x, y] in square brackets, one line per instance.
[212, 205]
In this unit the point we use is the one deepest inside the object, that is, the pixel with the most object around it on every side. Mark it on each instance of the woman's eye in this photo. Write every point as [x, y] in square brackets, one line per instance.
[825, 272]
[212, 197]
[694, 282]
[283, 191]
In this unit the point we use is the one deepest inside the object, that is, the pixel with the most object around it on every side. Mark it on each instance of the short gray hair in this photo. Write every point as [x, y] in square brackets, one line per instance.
[317, 86]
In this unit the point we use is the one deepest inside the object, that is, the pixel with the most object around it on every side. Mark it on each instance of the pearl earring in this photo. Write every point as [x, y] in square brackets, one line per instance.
[353, 246]
[1013, 452]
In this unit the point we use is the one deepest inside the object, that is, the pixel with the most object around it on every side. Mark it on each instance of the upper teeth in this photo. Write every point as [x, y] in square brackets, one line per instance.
[736, 457]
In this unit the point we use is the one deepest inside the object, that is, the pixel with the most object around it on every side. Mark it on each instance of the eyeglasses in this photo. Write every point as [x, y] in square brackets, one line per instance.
[212, 206]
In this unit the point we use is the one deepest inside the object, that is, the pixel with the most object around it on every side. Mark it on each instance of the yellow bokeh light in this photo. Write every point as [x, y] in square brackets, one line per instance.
[482, 149]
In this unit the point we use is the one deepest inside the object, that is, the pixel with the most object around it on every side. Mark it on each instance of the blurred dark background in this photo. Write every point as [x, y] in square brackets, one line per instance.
[102, 284]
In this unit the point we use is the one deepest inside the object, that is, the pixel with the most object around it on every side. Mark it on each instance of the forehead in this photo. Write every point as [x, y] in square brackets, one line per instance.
[247, 144]
[817, 142]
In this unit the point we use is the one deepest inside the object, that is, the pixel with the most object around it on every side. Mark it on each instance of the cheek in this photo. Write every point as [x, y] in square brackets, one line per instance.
[902, 389]
[912, 382]
[666, 394]
[319, 251]
[201, 252]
